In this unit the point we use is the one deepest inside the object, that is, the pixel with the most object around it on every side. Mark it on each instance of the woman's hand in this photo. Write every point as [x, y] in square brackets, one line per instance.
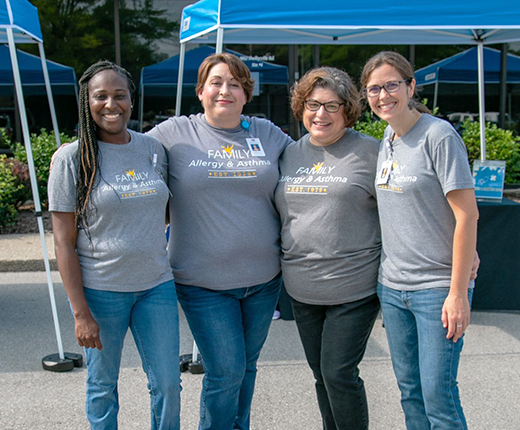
[456, 311]
[456, 315]
[87, 332]
[65, 236]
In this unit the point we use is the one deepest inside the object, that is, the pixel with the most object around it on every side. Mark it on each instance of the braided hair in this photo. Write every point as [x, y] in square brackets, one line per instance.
[87, 156]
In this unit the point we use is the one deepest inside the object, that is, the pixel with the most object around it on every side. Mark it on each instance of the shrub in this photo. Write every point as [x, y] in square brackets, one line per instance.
[43, 146]
[375, 127]
[500, 145]
[5, 140]
[371, 127]
[9, 189]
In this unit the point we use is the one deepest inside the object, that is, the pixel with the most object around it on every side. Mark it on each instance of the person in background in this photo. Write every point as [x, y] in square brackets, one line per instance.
[108, 201]
[331, 241]
[428, 215]
[225, 234]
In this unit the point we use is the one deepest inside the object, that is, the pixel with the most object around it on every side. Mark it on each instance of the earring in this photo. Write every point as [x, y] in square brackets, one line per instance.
[131, 106]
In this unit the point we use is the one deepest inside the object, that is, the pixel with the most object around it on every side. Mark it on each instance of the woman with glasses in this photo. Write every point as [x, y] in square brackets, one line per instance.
[428, 217]
[331, 241]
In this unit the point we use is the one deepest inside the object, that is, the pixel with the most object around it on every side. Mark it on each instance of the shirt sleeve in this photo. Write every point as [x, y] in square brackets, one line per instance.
[450, 160]
[62, 184]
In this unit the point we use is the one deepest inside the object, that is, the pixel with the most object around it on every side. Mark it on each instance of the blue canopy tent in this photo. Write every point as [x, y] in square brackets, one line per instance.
[19, 23]
[62, 78]
[337, 22]
[161, 79]
[462, 69]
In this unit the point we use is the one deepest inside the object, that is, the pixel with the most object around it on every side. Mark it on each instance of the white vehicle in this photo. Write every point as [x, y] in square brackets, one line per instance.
[461, 117]
[457, 118]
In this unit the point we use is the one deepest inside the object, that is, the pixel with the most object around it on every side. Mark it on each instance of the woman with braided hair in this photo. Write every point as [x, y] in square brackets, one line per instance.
[108, 200]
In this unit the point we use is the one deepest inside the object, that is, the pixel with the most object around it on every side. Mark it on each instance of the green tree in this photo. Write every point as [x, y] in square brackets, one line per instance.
[81, 32]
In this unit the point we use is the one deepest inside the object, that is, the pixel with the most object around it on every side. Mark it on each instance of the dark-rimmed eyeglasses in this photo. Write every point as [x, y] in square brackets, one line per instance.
[314, 106]
[390, 87]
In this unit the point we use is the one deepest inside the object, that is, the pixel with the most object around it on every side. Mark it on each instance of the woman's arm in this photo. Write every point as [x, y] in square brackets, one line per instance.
[65, 236]
[456, 310]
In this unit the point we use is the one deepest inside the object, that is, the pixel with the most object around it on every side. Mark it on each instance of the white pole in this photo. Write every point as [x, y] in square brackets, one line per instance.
[49, 93]
[436, 93]
[481, 101]
[34, 183]
[220, 40]
[141, 102]
[178, 101]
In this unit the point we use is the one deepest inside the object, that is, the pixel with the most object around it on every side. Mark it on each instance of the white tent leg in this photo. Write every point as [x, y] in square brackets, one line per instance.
[49, 94]
[195, 352]
[481, 101]
[220, 40]
[178, 101]
[141, 103]
[63, 363]
[436, 93]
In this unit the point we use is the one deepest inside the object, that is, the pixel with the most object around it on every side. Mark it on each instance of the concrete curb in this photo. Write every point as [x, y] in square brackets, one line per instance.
[24, 253]
[26, 265]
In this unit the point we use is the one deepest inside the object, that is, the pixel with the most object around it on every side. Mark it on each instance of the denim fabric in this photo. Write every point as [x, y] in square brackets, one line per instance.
[334, 339]
[230, 328]
[425, 362]
[152, 316]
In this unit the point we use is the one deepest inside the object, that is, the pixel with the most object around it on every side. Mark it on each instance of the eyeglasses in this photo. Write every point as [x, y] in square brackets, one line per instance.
[314, 106]
[390, 87]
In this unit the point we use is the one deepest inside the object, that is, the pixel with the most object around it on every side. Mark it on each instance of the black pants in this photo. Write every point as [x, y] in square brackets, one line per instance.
[334, 339]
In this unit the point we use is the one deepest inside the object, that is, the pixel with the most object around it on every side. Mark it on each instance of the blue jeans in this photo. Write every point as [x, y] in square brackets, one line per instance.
[335, 339]
[230, 328]
[425, 362]
[152, 316]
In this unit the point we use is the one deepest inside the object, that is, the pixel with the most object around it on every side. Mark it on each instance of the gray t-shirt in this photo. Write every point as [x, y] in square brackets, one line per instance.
[417, 223]
[225, 231]
[330, 230]
[126, 250]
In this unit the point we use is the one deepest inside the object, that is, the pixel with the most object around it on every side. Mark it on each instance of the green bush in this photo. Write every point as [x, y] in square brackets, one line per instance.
[500, 145]
[5, 141]
[9, 191]
[371, 127]
[43, 146]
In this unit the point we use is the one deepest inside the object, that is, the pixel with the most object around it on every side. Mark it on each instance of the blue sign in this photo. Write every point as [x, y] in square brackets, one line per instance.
[489, 179]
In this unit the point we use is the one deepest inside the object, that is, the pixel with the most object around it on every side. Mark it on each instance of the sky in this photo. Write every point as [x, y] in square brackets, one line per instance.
[174, 12]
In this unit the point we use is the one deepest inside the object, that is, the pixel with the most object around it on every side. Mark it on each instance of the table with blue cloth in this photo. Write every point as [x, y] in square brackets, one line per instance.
[497, 287]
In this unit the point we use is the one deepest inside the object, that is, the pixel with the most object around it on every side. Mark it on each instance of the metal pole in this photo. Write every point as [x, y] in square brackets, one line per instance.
[117, 35]
[481, 101]
[503, 86]
[220, 40]
[49, 94]
[34, 183]
[178, 101]
[316, 56]
[436, 92]
[294, 129]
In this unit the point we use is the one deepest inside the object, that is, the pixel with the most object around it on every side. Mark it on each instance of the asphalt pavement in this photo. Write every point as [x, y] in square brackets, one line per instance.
[34, 399]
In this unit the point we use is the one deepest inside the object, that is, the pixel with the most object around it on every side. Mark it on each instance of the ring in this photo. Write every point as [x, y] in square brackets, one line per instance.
[460, 325]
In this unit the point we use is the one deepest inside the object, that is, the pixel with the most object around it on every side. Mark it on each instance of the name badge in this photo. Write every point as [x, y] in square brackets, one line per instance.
[384, 174]
[255, 146]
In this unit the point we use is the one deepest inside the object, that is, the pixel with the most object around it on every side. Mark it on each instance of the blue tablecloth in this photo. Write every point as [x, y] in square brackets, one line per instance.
[497, 286]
